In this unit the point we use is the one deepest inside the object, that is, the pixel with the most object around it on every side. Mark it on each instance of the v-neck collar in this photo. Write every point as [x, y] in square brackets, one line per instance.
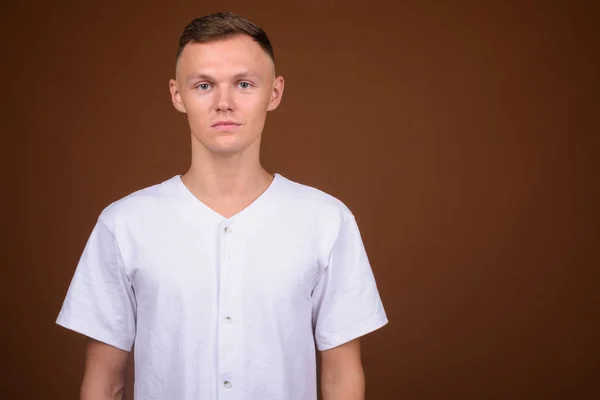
[261, 198]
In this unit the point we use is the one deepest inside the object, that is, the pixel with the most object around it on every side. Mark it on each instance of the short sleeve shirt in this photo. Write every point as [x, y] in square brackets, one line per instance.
[224, 308]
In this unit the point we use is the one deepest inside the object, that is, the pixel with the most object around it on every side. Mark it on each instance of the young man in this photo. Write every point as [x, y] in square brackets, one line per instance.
[227, 279]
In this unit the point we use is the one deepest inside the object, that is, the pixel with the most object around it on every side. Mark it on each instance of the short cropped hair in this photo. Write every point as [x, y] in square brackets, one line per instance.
[220, 26]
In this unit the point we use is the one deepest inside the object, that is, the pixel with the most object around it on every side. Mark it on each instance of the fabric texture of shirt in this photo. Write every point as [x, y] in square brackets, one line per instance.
[224, 308]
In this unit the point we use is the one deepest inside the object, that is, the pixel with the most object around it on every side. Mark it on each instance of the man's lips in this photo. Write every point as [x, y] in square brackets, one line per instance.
[225, 125]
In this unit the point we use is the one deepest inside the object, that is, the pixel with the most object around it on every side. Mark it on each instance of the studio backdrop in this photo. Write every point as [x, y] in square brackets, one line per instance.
[460, 135]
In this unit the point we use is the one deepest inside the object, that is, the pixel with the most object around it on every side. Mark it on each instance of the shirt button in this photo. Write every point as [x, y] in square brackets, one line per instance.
[227, 229]
[228, 320]
[227, 384]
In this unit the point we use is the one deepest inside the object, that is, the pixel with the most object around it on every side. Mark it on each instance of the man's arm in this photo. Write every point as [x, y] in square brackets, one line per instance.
[342, 376]
[104, 377]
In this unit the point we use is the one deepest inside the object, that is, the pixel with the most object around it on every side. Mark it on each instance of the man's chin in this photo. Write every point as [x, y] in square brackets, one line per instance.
[225, 145]
[226, 149]
[230, 145]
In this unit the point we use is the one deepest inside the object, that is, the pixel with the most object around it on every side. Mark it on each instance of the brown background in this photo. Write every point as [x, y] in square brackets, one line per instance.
[463, 137]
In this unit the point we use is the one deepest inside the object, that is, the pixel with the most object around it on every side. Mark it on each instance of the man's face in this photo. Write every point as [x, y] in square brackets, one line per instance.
[226, 88]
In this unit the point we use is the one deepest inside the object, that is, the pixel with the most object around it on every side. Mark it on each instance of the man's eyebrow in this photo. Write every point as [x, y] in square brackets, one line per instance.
[203, 77]
[246, 74]
[240, 75]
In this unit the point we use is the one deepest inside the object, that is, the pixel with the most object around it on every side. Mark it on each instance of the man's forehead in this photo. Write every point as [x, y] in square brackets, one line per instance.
[238, 53]
[223, 71]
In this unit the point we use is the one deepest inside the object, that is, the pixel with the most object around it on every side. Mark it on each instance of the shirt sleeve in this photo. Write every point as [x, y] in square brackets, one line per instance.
[100, 301]
[346, 301]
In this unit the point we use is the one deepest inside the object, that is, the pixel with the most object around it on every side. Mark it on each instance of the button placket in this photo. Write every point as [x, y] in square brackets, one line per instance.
[227, 342]
[225, 271]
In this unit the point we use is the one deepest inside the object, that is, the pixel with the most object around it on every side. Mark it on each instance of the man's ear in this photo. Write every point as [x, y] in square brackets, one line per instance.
[176, 96]
[276, 93]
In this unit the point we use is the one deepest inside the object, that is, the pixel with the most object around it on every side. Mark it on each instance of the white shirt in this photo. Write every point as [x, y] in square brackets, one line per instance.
[224, 308]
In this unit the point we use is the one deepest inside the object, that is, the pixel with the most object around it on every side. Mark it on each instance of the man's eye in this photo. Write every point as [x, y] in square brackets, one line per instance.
[245, 85]
[203, 86]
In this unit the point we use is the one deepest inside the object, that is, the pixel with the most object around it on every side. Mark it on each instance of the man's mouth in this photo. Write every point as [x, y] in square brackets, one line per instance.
[225, 125]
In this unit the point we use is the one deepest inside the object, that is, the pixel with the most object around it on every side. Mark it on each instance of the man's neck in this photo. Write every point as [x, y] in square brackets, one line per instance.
[227, 185]
[216, 183]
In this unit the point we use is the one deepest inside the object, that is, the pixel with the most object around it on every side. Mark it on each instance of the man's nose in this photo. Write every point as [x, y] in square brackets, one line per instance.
[224, 100]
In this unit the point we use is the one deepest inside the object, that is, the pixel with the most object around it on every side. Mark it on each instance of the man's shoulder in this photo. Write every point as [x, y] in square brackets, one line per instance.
[314, 200]
[140, 203]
